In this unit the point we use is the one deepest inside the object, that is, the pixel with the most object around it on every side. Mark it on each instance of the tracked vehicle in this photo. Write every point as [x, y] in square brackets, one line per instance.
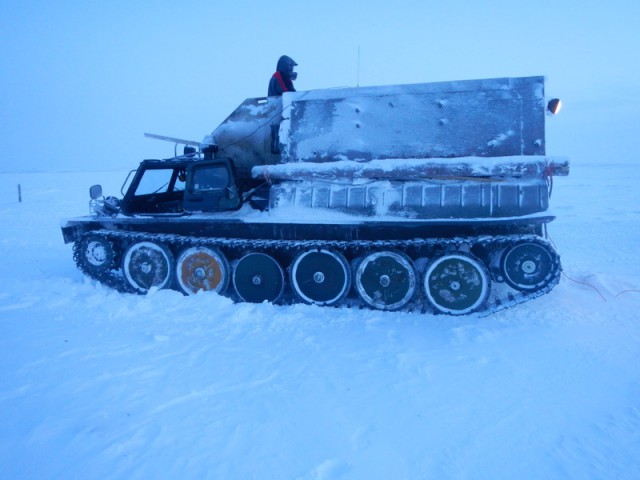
[429, 197]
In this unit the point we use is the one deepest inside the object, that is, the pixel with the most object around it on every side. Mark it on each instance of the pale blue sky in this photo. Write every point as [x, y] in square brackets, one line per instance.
[81, 81]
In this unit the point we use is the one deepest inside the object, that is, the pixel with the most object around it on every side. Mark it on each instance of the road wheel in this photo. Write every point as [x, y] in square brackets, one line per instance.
[320, 277]
[257, 277]
[146, 265]
[386, 280]
[202, 268]
[456, 284]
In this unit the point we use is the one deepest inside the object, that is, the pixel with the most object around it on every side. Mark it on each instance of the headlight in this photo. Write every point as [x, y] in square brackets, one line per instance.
[554, 106]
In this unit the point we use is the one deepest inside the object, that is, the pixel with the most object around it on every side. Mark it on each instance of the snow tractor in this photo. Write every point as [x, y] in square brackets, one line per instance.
[429, 197]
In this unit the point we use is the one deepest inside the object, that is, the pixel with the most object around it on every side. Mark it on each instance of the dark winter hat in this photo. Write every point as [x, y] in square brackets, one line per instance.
[286, 64]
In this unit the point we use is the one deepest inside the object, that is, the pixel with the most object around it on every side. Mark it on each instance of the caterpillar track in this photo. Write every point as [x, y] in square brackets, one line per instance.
[484, 274]
[431, 198]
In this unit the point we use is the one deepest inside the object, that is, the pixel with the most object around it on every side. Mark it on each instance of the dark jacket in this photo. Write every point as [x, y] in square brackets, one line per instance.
[281, 80]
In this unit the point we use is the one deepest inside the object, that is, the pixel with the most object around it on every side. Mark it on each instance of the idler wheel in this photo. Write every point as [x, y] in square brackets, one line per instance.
[96, 254]
[146, 265]
[456, 284]
[386, 280]
[258, 277]
[529, 266]
[320, 277]
[202, 268]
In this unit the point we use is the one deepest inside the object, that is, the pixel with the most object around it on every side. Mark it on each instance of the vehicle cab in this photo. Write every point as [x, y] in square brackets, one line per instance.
[179, 186]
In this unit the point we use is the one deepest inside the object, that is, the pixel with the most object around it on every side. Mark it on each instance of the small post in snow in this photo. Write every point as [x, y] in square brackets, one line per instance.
[358, 74]
[19, 193]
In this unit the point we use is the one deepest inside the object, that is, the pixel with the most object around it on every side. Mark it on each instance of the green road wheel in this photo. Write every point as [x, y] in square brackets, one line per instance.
[386, 280]
[456, 284]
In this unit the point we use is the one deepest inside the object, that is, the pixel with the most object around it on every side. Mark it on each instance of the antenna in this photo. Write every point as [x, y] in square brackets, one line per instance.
[191, 143]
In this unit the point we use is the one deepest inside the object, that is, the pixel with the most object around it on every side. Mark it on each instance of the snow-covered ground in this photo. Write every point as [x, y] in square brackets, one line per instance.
[95, 384]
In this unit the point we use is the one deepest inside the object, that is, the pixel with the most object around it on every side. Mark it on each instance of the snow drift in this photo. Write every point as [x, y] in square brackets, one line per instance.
[98, 384]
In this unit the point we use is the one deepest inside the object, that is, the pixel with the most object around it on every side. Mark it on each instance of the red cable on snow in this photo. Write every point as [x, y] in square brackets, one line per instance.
[627, 291]
[577, 281]
[588, 284]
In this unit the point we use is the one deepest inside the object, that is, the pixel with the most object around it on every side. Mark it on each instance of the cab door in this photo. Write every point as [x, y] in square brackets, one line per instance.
[211, 187]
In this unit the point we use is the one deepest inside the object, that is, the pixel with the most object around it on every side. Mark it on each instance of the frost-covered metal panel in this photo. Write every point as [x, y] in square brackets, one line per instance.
[422, 168]
[245, 135]
[478, 118]
[417, 200]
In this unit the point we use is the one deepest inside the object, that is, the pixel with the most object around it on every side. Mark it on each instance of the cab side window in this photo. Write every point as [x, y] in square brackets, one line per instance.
[210, 178]
[211, 187]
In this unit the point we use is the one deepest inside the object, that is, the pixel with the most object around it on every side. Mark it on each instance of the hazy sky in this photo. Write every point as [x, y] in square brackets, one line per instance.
[81, 81]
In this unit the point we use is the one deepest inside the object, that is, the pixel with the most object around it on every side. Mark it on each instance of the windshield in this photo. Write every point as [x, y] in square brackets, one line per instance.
[160, 181]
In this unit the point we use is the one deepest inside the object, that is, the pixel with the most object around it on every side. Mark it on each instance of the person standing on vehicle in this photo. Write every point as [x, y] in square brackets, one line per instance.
[282, 80]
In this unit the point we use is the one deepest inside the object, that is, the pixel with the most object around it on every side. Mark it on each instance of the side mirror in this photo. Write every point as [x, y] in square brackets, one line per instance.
[95, 192]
